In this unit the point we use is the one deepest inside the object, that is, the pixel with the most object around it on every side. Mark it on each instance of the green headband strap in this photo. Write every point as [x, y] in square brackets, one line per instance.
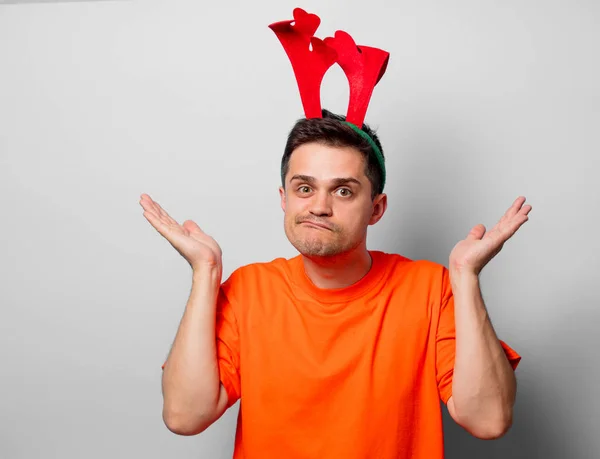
[375, 148]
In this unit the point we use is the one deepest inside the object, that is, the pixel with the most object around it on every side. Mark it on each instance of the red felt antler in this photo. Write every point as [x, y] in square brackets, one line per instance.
[309, 66]
[364, 66]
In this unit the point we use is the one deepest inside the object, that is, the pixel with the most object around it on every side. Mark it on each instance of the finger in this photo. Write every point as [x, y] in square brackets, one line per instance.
[156, 207]
[164, 214]
[147, 205]
[508, 230]
[512, 210]
[192, 226]
[150, 202]
[519, 218]
[144, 198]
[476, 232]
[156, 222]
[526, 209]
[151, 211]
[516, 206]
[151, 206]
[160, 223]
[512, 229]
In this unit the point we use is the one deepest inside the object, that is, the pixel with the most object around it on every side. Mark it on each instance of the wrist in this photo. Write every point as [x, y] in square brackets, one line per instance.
[207, 274]
[463, 279]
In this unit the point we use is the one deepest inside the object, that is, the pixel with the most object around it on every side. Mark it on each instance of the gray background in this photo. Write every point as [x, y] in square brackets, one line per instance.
[191, 103]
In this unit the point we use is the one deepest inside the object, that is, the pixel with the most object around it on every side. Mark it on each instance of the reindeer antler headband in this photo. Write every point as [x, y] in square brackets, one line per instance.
[363, 66]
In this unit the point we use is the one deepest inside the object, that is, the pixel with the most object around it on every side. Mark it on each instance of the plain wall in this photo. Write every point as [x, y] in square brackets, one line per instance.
[191, 102]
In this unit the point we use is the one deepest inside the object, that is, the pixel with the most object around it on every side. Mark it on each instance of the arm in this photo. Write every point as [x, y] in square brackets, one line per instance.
[483, 384]
[193, 395]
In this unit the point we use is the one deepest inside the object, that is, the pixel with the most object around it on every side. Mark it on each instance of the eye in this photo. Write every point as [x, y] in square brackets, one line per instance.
[304, 187]
[347, 192]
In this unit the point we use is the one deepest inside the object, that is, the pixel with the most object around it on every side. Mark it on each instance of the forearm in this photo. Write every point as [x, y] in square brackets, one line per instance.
[190, 379]
[483, 385]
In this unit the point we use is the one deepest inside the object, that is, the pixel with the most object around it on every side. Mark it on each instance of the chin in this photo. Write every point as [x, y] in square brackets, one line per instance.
[318, 248]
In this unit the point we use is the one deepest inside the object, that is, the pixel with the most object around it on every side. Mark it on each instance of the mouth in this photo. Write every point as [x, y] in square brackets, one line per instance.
[315, 225]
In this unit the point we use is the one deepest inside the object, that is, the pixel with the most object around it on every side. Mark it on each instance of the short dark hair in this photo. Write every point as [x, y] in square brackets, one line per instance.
[331, 130]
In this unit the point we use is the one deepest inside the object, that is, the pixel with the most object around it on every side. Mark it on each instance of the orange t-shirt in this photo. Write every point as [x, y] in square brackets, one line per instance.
[355, 372]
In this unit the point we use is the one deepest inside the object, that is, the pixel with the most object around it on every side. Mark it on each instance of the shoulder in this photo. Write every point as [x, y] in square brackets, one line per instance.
[429, 267]
[420, 271]
[433, 277]
[256, 273]
[396, 260]
[435, 274]
[249, 285]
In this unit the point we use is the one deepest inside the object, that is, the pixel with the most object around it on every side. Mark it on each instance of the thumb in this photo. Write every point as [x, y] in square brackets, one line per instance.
[476, 232]
[192, 227]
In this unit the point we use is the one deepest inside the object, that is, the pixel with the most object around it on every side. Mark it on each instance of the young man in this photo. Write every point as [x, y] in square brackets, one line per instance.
[339, 352]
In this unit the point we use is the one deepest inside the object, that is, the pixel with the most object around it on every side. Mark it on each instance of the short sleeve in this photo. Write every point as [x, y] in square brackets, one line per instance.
[228, 346]
[445, 341]
[227, 343]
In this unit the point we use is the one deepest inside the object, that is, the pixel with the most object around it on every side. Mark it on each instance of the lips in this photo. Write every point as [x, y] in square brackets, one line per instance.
[316, 225]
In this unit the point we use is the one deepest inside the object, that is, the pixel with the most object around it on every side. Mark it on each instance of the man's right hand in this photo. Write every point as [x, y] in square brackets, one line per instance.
[198, 248]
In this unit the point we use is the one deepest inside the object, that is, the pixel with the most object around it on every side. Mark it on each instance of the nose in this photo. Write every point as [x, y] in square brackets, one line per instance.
[320, 204]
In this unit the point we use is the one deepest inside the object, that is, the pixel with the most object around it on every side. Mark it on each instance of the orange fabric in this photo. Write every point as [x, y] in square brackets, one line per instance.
[356, 372]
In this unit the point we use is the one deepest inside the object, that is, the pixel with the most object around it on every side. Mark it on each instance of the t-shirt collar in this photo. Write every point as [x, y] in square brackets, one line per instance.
[337, 295]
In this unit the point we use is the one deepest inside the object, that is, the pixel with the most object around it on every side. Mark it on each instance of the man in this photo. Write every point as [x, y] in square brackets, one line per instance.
[339, 352]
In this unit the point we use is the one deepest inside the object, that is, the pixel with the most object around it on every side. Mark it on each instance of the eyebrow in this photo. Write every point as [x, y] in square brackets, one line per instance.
[336, 181]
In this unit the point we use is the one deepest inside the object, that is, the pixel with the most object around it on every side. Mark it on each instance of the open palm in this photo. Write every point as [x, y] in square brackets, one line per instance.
[197, 247]
[478, 248]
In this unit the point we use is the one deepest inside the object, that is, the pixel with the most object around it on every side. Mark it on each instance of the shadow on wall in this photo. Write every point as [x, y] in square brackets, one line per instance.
[533, 434]
[430, 208]
[556, 407]
[556, 412]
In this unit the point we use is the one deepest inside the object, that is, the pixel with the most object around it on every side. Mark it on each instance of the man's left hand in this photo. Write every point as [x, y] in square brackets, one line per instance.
[470, 255]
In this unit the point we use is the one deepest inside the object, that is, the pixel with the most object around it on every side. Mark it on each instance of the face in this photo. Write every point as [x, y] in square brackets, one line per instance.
[327, 200]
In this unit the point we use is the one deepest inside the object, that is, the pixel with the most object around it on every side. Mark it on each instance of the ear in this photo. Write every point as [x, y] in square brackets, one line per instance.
[379, 208]
[282, 195]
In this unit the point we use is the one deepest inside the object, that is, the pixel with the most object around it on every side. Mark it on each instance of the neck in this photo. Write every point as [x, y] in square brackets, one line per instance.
[338, 271]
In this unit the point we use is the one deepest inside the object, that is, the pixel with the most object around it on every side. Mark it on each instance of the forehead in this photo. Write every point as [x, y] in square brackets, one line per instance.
[325, 162]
